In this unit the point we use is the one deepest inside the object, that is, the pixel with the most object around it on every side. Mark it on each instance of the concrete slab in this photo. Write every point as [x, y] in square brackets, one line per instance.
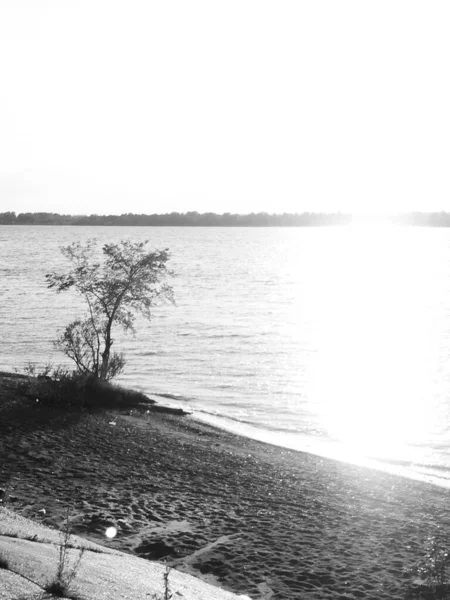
[102, 573]
[13, 586]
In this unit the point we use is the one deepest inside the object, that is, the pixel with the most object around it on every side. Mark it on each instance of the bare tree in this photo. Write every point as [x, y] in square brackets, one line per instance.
[127, 281]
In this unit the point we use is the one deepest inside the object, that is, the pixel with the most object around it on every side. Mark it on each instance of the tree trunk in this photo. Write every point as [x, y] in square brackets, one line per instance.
[106, 354]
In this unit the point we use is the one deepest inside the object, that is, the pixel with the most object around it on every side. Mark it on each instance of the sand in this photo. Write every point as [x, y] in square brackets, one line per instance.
[251, 517]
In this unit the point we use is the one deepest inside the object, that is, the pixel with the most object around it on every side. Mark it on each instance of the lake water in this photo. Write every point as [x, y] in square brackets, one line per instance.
[331, 340]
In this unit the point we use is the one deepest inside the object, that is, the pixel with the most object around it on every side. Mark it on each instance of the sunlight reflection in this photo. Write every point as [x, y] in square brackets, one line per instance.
[372, 377]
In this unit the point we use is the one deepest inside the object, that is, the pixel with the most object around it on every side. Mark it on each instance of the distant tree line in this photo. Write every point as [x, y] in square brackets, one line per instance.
[189, 219]
[420, 219]
[195, 219]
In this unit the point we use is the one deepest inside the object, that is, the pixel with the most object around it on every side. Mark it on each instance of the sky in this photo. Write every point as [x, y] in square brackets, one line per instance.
[147, 106]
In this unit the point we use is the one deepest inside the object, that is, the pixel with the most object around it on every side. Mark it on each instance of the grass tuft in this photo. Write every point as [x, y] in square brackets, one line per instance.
[56, 588]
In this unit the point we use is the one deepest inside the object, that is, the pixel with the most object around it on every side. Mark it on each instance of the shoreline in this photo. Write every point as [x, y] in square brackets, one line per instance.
[336, 452]
[328, 449]
[249, 516]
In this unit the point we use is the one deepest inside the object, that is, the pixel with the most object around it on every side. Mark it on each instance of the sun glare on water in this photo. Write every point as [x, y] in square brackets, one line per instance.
[372, 378]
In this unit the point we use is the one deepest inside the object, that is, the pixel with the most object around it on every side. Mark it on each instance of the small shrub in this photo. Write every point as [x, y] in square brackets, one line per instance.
[432, 574]
[167, 593]
[4, 563]
[65, 574]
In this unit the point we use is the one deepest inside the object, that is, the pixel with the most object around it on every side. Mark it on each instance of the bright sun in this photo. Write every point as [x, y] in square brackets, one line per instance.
[372, 371]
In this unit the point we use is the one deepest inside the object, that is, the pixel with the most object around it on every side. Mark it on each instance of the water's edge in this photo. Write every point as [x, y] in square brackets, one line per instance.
[302, 444]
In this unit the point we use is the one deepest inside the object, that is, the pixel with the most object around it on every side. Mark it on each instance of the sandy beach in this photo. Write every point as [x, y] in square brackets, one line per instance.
[253, 518]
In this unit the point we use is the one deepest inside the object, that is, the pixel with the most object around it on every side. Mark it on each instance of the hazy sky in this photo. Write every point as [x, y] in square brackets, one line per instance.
[240, 106]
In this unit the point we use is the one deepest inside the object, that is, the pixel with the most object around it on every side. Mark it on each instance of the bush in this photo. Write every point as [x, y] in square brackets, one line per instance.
[62, 388]
[102, 394]
[54, 387]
